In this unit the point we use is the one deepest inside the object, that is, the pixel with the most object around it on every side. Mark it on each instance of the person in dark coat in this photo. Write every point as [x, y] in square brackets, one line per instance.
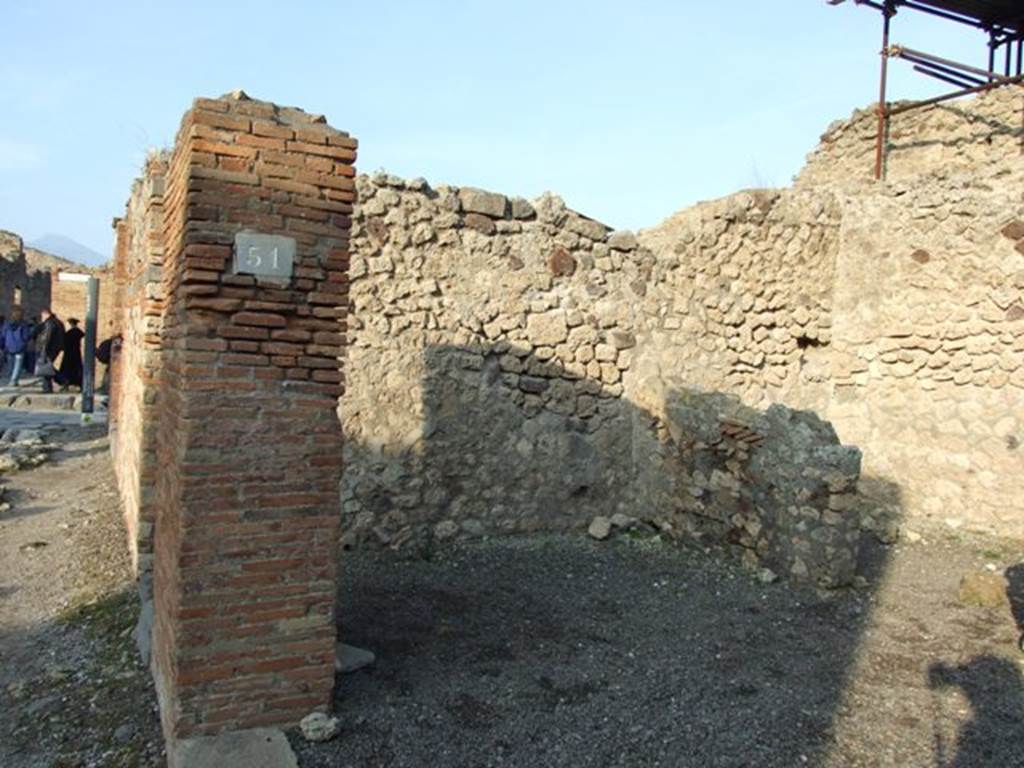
[104, 354]
[49, 345]
[71, 363]
[34, 325]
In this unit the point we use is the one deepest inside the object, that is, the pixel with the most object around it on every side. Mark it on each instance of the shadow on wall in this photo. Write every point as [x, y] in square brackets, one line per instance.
[507, 442]
[983, 130]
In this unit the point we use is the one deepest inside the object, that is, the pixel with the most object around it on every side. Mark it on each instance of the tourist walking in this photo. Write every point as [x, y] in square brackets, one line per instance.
[17, 335]
[3, 347]
[104, 354]
[49, 345]
[71, 362]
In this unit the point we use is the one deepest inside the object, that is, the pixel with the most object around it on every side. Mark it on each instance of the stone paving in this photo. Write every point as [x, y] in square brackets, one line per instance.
[16, 418]
[29, 396]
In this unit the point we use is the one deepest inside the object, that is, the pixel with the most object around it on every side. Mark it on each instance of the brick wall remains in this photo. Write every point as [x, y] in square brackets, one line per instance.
[137, 274]
[247, 443]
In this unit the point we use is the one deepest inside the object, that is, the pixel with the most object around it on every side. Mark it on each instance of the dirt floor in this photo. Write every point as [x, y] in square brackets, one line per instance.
[72, 691]
[537, 651]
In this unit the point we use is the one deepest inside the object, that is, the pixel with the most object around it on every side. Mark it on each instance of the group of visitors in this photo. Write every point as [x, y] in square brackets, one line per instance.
[35, 346]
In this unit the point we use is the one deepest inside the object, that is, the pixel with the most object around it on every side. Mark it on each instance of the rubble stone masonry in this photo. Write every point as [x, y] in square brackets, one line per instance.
[502, 350]
[19, 284]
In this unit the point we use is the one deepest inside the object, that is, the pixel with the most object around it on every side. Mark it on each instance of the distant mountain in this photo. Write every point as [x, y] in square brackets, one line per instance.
[69, 249]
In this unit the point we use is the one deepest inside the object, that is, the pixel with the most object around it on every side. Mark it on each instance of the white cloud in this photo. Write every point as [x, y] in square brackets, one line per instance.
[19, 155]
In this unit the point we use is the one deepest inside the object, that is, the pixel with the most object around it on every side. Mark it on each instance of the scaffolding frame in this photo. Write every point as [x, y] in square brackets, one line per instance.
[1004, 25]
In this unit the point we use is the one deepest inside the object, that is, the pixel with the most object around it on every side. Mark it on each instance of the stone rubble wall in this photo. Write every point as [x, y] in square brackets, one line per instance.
[980, 137]
[17, 279]
[928, 348]
[490, 338]
[503, 356]
[502, 350]
[916, 294]
[740, 299]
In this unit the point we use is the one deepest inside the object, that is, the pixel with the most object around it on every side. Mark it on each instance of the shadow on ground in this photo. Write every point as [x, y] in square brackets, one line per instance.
[557, 651]
[993, 735]
[553, 650]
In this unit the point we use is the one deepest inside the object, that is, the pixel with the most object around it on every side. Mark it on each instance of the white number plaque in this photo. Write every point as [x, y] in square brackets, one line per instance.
[264, 255]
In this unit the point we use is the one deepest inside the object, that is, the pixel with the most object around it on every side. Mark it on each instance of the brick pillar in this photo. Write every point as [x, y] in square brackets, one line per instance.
[249, 443]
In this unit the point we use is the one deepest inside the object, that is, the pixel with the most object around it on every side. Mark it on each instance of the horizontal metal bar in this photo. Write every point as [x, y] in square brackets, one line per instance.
[951, 16]
[72, 277]
[870, 4]
[1001, 81]
[967, 78]
[943, 77]
[900, 51]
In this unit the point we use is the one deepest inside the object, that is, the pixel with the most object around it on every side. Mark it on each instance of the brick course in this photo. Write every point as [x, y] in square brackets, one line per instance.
[246, 442]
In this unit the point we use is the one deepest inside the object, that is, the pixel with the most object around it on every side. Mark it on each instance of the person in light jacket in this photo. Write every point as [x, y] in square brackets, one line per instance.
[16, 335]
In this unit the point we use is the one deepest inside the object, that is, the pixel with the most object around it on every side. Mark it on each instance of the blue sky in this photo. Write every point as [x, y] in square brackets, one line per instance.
[630, 111]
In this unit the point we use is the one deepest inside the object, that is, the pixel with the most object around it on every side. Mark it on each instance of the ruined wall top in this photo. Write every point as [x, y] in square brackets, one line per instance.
[969, 140]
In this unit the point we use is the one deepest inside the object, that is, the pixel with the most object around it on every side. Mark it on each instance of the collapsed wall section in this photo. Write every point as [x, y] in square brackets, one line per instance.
[776, 485]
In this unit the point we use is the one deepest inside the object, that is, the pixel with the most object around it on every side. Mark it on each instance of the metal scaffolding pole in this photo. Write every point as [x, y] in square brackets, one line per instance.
[888, 11]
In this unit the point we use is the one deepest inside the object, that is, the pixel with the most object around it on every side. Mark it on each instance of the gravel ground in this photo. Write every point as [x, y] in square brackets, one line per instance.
[557, 651]
[535, 651]
[72, 691]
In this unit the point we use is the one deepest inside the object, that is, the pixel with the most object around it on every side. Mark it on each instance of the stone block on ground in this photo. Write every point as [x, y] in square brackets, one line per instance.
[349, 658]
[316, 727]
[253, 748]
[983, 589]
[600, 528]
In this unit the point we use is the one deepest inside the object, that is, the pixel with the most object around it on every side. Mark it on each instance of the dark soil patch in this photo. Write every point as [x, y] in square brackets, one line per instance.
[556, 651]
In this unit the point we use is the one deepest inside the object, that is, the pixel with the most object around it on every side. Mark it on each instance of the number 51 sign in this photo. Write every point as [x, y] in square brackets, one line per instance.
[264, 255]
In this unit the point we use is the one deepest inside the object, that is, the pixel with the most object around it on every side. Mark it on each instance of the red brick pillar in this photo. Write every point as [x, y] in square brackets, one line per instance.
[249, 444]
